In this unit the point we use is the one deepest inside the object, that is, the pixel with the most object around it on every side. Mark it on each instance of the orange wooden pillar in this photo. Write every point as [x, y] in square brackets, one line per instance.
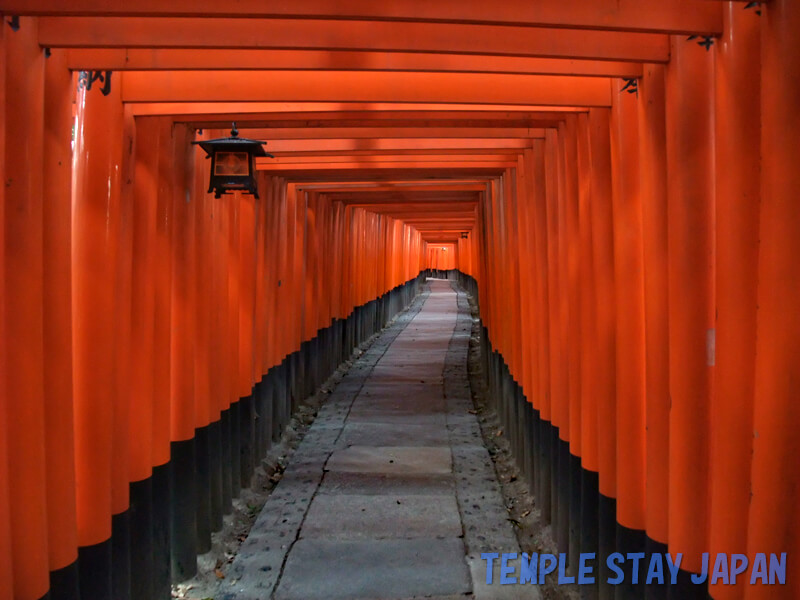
[96, 222]
[23, 310]
[57, 181]
[142, 362]
[247, 274]
[6, 568]
[202, 204]
[162, 322]
[182, 404]
[541, 189]
[630, 372]
[583, 495]
[219, 433]
[599, 447]
[774, 525]
[653, 190]
[690, 219]
[234, 385]
[737, 212]
[121, 384]
[554, 407]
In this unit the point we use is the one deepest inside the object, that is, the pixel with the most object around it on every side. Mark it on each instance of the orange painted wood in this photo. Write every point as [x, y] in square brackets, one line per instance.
[690, 221]
[96, 223]
[774, 520]
[541, 189]
[653, 188]
[6, 567]
[157, 59]
[572, 280]
[122, 373]
[143, 296]
[356, 86]
[163, 296]
[599, 427]
[324, 34]
[57, 232]
[183, 292]
[629, 283]
[676, 16]
[737, 190]
[23, 311]
[586, 317]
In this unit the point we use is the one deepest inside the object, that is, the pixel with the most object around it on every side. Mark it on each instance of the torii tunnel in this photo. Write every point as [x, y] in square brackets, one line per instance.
[616, 182]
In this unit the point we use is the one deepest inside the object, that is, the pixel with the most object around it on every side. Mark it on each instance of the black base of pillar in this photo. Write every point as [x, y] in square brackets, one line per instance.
[141, 514]
[64, 583]
[121, 556]
[203, 487]
[183, 510]
[215, 475]
[632, 541]
[94, 571]
[162, 538]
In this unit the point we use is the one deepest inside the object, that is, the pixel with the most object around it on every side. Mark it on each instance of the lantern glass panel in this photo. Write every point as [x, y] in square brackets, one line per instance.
[232, 163]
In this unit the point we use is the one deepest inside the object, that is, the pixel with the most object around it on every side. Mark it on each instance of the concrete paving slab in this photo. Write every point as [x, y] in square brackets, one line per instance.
[392, 460]
[364, 517]
[390, 434]
[429, 419]
[385, 569]
[337, 482]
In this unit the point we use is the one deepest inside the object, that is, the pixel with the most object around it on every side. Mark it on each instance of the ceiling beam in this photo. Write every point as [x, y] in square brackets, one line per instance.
[348, 86]
[194, 33]
[154, 59]
[372, 132]
[669, 16]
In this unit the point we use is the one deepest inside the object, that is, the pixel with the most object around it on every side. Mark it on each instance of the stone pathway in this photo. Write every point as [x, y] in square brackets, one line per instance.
[391, 494]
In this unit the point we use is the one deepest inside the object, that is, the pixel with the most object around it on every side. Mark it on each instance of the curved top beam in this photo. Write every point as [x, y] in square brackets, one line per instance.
[666, 16]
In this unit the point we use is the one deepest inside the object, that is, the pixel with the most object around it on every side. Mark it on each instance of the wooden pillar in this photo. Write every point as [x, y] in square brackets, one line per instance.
[738, 162]
[95, 241]
[653, 190]
[690, 222]
[57, 179]
[774, 519]
[23, 338]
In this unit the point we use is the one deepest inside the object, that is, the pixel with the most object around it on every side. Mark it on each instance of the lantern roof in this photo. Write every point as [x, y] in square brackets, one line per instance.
[234, 143]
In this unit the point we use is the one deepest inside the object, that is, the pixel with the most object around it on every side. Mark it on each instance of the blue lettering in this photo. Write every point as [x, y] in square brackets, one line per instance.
[698, 579]
[546, 569]
[656, 569]
[777, 570]
[562, 571]
[612, 561]
[506, 569]
[584, 570]
[527, 568]
[759, 569]
[489, 558]
[673, 567]
[739, 564]
[635, 557]
[720, 569]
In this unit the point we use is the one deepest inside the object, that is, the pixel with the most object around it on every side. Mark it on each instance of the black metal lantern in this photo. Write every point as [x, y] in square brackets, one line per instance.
[233, 163]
